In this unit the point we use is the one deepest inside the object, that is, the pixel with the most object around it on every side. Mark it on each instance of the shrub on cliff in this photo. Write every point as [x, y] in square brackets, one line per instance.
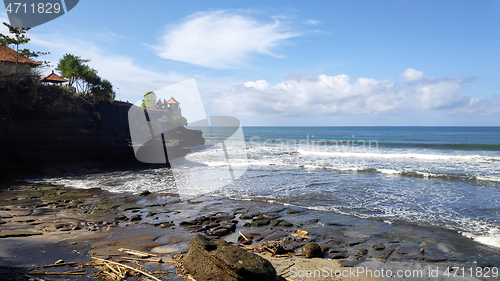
[179, 121]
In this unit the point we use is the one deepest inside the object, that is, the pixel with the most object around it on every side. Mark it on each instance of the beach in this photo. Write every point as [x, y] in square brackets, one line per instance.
[44, 223]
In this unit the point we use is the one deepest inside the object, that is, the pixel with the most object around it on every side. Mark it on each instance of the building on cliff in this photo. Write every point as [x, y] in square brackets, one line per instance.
[13, 62]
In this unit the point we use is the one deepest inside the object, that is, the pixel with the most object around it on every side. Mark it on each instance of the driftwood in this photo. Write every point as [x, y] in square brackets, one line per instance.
[148, 260]
[136, 253]
[246, 239]
[60, 264]
[128, 267]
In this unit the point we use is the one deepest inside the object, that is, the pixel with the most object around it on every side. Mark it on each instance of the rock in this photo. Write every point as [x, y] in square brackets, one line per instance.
[276, 222]
[18, 233]
[246, 216]
[2, 222]
[20, 213]
[273, 247]
[293, 211]
[166, 224]
[384, 255]
[135, 218]
[334, 256]
[337, 249]
[378, 246]
[432, 257]
[311, 250]
[5, 215]
[247, 224]
[353, 242]
[275, 236]
[218, 232]
[150, 214]
[120, 218]
[286, 224]
[210, 259]
[145, 193]
[362, 252]
[314, 220]
[260, 222]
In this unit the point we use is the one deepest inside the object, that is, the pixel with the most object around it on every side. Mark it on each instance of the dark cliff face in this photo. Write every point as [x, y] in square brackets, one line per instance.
[72, 136]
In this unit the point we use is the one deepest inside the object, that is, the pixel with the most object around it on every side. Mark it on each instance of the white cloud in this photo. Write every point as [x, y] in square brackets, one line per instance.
[312, 22]
[221, 39]
[302, 95]
[122, 71]
[412, 74]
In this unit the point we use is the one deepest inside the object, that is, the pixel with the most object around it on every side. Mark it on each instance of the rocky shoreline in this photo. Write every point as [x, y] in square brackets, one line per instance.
[43, 223]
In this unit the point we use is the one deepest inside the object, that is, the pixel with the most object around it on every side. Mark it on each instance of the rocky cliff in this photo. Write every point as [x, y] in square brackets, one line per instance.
[68, 135]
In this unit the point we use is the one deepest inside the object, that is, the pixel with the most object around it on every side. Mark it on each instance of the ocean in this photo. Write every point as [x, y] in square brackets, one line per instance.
[444, 178]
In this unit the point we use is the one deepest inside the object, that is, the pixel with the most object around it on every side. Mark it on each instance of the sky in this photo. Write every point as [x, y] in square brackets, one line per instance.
[296, 63]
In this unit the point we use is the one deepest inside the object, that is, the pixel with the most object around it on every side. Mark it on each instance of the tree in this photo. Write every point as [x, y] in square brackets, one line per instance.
[74, 69]
[179, 121]
[149, 101]
[84, 79]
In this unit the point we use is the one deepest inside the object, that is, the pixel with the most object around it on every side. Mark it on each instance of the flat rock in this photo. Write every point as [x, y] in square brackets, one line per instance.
[18, 233]
[293, 211]
[5, 215]
[432, 257]
[378, 246]
[20, 212]
[260, 222]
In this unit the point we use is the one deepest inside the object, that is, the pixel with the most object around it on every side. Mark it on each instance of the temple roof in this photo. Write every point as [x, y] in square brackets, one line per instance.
[7, 54]
[54, 78]
[172, 101]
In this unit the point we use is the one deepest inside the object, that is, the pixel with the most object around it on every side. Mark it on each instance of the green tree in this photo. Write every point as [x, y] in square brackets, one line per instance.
[149, 101]
[84, 79]
[74, 69]
[179, 121]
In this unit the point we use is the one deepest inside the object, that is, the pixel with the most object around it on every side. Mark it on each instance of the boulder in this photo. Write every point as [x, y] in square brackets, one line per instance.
[311, 250]
[215, 259]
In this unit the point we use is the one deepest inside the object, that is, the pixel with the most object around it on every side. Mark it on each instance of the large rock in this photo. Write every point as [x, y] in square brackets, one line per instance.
[312, 250]
[215, 259]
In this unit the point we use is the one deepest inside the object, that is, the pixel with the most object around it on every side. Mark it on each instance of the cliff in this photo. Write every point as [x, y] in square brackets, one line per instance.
[68, 135]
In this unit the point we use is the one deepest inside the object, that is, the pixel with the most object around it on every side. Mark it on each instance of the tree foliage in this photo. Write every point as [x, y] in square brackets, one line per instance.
[149, 101]
[84, 79]
[179, 121]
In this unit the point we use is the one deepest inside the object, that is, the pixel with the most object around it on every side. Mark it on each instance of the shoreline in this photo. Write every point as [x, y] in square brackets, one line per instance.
[74, 224]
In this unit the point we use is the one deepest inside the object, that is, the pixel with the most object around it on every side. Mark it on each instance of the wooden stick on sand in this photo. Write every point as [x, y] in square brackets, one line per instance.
[129, 267]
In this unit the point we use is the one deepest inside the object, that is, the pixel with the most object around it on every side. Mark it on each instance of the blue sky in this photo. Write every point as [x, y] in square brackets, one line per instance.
[297, 62]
